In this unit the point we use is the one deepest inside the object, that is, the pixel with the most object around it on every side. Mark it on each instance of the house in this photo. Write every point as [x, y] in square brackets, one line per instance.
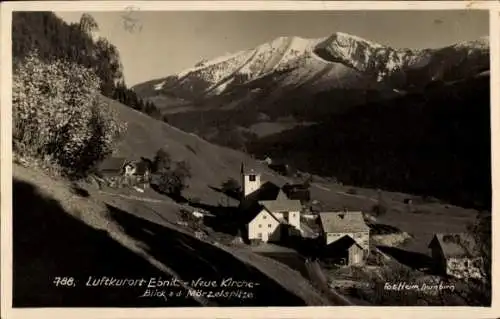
[142, 173]
[266, 213]
[345, 235]
[118, 171]
[112, 170]
[455, 255]
[112, 166]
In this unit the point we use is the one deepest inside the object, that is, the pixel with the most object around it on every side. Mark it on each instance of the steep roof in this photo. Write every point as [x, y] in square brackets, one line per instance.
[112, 164]
[249, 168]
[251, 210]
[343, 222]
[281, 203]
[341, 244]
[455, 244]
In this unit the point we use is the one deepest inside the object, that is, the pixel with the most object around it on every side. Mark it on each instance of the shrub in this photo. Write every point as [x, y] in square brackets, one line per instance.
[58, 115]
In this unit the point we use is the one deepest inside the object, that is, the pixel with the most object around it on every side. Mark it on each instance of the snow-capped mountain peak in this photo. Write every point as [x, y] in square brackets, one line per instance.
[336, 61]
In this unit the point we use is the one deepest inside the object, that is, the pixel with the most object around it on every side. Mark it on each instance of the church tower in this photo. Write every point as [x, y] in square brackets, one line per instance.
[250, 180]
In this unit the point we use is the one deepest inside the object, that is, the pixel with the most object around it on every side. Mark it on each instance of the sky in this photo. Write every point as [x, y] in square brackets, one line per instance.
[165, 43]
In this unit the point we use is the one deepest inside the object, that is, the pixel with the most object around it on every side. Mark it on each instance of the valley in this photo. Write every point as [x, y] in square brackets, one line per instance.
[306, 169]
[148, 224]
[365, 114]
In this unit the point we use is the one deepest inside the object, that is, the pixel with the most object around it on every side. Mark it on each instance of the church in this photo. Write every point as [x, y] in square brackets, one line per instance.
[268, 215]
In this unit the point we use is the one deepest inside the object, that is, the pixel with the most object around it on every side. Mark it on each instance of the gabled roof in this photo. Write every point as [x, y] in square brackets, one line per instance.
[251, 210]
[112, 164]
[341, 244]
[343, 222]
[281, 203]
[455, 244]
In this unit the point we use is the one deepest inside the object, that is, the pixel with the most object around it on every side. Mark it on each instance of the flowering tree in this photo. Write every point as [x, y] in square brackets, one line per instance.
[59, 116]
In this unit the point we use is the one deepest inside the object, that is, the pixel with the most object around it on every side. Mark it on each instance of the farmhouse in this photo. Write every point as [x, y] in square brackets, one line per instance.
[346, 237]
[118, 171]
[113, 166]
[456, 255]
[266, 212]
[142, 173]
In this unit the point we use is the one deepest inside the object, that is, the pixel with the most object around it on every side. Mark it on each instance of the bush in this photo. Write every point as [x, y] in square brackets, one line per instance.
[58, 115]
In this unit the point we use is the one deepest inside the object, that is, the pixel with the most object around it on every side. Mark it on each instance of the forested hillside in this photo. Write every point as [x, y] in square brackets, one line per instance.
[54, 39]
[434, 143]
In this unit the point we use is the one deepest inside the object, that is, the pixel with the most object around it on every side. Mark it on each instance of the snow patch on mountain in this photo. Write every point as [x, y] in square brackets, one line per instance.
[159, 86]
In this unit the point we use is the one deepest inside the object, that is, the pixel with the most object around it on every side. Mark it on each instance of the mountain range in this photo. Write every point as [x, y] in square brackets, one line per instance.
[298, 66]
[286, 95]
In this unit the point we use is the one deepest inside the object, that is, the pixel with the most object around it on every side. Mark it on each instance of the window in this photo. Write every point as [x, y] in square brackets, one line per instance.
[252, 178]
[259, 235]
[260, 226]
[269, 225]
[264, 217]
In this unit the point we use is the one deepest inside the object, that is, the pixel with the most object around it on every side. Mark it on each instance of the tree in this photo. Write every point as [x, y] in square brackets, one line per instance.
[162, 161]
[183, 170]
[107, 65]
[173, 182]
[58, 115]
[88, 24]
[54, 39]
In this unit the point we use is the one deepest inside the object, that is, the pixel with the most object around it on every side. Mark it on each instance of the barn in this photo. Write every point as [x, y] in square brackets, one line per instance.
[345, 236]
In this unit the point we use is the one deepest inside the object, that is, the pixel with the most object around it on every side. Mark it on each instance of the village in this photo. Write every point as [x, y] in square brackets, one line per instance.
[280, 222]
[321, 158]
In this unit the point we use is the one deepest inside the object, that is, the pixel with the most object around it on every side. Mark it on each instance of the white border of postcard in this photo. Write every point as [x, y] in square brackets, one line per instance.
[269, 312]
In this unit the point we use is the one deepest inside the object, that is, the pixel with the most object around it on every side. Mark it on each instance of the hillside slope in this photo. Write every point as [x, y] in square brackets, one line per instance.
[211, 164]
[89, 232]
[110, 231]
